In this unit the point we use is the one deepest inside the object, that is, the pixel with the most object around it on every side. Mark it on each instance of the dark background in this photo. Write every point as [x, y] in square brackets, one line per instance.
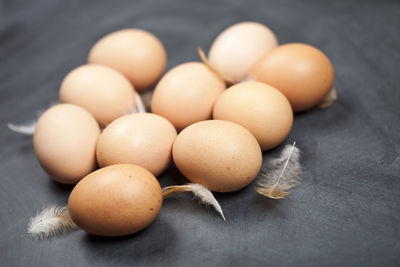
[345, 212]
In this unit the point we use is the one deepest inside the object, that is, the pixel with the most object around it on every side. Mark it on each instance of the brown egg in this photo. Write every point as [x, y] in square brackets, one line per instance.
[143, 139]
[238, 47]
[137, 54]
[221, 155]
[301, 72]
[258, 107]
[101, 90]
[65, 142]
[186, 94]
[117, 200]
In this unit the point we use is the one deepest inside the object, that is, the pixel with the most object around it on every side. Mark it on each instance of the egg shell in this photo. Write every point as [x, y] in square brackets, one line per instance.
[143, 139]
[238, 47]
[186, 94]
[258, 107]
[65, 142]
[301, 72]
[101, 90]
[137, 54]
[116, 200]
[221, 155]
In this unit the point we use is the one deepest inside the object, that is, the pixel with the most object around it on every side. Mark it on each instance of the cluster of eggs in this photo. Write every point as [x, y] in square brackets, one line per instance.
[214, 134]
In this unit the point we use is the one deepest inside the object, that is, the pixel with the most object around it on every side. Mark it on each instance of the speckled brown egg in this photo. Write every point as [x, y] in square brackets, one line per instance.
[260, 108]
[221, 155]
[65, 142]
[137, 54]
[186, 94]
[101, 90]
[116, 200]
[301, 72]
[143, 139]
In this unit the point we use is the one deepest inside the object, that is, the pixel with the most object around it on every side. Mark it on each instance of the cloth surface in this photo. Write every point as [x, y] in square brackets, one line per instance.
[346, 211]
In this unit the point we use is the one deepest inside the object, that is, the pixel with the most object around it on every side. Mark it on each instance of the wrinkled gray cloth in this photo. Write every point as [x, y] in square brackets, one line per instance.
[345, 212]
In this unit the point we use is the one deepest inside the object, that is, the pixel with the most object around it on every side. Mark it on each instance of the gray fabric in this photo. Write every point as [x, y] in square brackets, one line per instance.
[345, 212]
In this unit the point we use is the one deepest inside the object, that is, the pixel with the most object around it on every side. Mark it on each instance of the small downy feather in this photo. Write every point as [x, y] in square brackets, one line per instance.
[281, 175]
[211, 68]
[329, 99]
[52, 221]
[140, 108]
[27, 128]
[199, 191]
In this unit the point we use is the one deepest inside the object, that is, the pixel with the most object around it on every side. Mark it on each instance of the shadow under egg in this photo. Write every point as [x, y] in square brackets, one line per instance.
[172, 176]
[147, 244]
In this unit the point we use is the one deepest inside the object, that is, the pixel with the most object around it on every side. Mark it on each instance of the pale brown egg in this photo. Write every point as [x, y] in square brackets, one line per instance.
[101, 90]
[65, 142]
[258, 107]
[143, 139]
[301, 72]
[116, 200]
[137, 54]
[186, 94]
[221, 155]
[238, 47]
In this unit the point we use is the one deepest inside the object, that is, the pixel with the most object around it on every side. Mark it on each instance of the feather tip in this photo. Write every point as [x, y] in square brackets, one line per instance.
[200, 192]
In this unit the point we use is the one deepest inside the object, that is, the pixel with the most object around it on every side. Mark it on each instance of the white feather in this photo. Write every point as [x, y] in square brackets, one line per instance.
[282, 173]
[329, 99]
[203, 194]
[52, 221]
[139, 104]
[27, 128]
[140, 108]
